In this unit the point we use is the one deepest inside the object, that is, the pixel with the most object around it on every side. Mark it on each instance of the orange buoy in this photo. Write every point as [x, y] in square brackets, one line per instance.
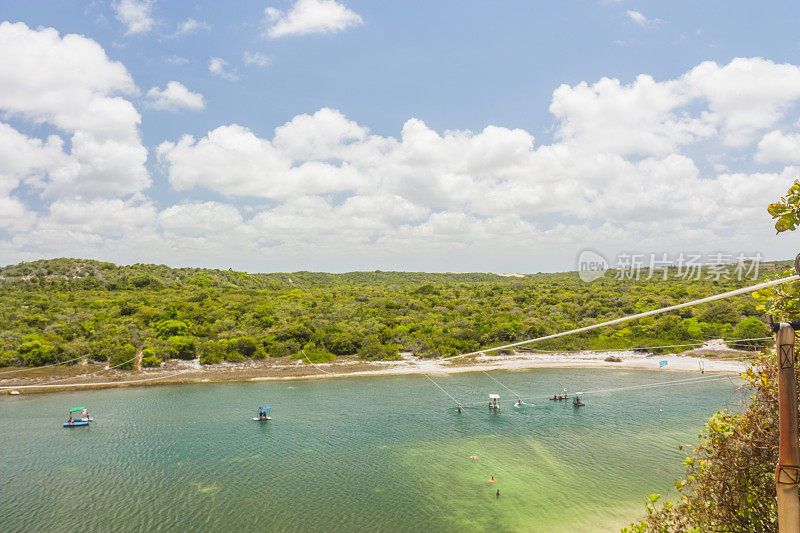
[473, 457]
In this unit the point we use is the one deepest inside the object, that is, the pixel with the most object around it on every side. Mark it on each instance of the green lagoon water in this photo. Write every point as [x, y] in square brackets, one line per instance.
[352, 454]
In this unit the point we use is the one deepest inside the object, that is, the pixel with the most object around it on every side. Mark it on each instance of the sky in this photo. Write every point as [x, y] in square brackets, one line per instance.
[339, 135]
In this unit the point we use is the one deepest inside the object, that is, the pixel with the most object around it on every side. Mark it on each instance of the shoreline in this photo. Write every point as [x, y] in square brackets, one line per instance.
[57, 379]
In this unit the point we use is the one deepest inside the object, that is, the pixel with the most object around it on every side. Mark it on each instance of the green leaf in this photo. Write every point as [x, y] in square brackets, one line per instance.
[778, 209]
[782, 225]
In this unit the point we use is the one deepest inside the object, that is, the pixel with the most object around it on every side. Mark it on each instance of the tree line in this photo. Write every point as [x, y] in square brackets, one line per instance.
[61, 309]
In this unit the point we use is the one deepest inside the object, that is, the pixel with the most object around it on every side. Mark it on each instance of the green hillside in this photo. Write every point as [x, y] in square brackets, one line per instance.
[61, 309]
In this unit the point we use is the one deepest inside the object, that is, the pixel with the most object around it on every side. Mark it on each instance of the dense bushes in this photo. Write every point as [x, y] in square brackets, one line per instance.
[47, 313]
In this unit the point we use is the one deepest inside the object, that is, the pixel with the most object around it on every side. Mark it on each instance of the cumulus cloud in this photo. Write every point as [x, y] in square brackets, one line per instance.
[136, 15]
[630, 166]
[70, 83]
[640, 19]
[190, 26]
[256, 58]
[175, 97]
[777, 146]
[617, 163]
[219, 67]
[176, 60]
[310, 16]
[745, 96]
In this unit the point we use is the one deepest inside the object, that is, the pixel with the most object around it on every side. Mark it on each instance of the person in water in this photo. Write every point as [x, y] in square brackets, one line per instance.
[459, 408]
[498, 493]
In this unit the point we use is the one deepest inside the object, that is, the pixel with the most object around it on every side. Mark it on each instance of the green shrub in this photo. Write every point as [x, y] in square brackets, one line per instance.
[316, 354]
[150, 361]
[181, 347]
[282, 349]
[122, 356]
[244, 346]
[171, 328]
[750, 328]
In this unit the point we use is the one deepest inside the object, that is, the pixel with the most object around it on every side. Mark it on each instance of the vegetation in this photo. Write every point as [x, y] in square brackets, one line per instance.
[729, 483]
[62, 309]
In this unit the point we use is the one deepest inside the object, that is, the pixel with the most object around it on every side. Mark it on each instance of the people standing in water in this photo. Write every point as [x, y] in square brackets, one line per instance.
[498, 493]
[459, 408]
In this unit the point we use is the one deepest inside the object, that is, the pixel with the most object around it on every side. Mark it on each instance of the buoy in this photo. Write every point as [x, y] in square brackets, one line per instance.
[473, 457]
[660, 411]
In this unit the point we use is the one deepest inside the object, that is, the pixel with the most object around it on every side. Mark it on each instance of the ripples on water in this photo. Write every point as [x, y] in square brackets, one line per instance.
[361, 454]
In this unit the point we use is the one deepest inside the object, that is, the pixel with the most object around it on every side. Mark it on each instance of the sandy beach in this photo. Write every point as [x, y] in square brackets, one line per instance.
[712, 357]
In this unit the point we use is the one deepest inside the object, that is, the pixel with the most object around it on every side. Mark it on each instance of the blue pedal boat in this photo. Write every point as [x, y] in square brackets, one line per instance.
[78, 416]
[264, 413]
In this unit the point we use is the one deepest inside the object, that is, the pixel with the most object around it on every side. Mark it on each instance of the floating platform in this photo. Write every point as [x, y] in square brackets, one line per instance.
[77, 423]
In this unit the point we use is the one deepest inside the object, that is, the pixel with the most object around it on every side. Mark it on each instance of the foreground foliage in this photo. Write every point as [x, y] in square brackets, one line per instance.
[729, 483]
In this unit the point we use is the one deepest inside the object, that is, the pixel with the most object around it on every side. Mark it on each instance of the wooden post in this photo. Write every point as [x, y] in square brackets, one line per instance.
[787, 472]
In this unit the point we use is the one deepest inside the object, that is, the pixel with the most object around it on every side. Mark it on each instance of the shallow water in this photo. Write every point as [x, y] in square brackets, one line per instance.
[352, 454]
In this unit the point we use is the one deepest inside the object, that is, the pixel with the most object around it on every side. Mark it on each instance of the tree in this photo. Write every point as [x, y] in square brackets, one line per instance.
[182, 347]
[124, 357]
[171, 328]
[750, 328]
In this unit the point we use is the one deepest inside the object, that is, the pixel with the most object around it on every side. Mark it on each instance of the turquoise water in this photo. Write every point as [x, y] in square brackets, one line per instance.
[358, 454]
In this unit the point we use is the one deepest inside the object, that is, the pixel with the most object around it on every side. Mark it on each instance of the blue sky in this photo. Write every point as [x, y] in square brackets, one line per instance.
[398, 97]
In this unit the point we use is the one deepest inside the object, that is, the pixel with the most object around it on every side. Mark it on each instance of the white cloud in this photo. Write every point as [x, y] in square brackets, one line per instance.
[324, 192]
[256, 58]
[199, 218]
[176, 60]
[190, 26]
[777, 146]
[746, 95]
[617, 173]
[310, 16]
[136, 15]
[219, 67]
[27, 159]
[640, 19]
[175, 97]
[70, 83]
[14, 216]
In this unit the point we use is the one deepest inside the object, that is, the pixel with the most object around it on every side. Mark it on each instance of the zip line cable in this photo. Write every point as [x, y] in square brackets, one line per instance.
[441, 389]
[744, 290]
[71, 377]
[498, 382]
[519, 396]
[709, 299]
[47, 385]
[631, 349]
[43, 366]
[653, 385]
[312, 364]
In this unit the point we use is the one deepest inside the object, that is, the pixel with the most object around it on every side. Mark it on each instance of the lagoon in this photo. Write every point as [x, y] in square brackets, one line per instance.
[386, 453]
